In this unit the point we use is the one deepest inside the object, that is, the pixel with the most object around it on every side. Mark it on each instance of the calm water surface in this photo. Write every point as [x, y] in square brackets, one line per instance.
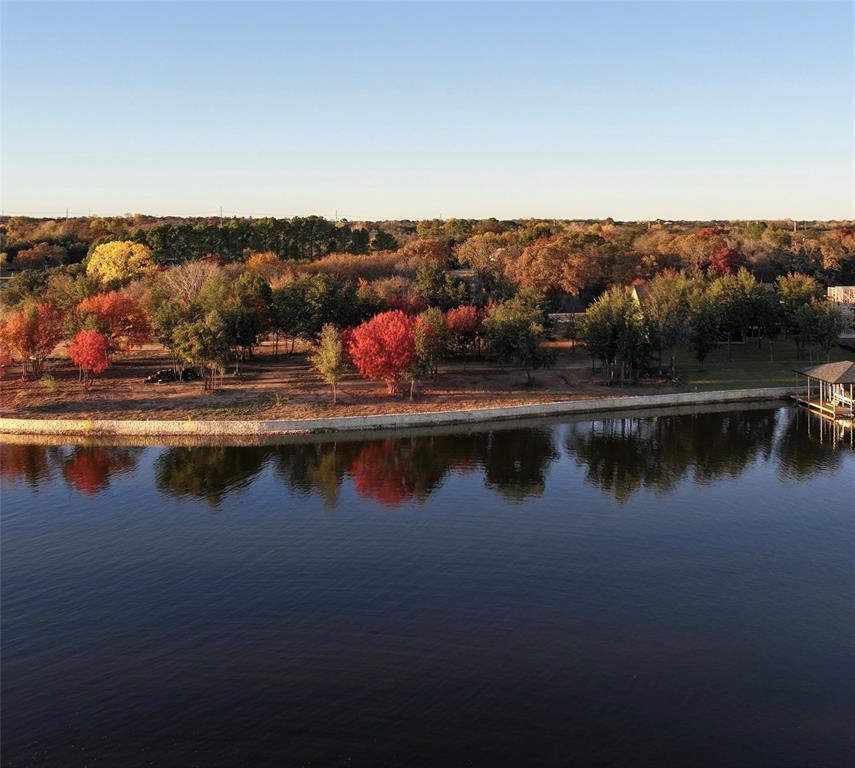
[658, 591]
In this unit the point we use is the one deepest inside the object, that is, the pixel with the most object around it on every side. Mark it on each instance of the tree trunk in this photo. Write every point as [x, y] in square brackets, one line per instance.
[333, 394]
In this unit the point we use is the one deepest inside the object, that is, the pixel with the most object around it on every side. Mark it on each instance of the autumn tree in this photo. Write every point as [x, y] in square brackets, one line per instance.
[567, 264]
[89, 351]
[431, 249]
[120, 260]
[483, 253]
[464, 328]
[266, 264]
[726, 260]
[328, 357]
[121, 319]
[40, 256]
[31, 334]
[383, 348]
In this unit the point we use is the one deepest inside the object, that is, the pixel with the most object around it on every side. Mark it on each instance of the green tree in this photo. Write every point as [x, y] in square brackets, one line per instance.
[704, 323]
[614, 331]
[666, 310]
[431, 338]
[818, 323]
[383, 241]
[203, 342]
[437, 288]
[328, 357]
[514, 332]
[794, 291]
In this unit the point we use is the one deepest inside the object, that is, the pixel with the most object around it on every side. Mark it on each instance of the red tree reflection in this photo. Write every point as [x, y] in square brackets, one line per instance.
[384, 473]
[89, 469]
[30, 463]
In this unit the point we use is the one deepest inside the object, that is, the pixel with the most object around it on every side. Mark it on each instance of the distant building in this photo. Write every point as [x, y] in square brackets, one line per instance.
[844, 297]
[640, 291]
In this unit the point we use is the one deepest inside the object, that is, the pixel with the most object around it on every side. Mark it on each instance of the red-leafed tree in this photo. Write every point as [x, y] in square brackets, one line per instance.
[464, 327]
[120, 318]
[89, 351]
[383, 348]
[31, 334]
[726, 261]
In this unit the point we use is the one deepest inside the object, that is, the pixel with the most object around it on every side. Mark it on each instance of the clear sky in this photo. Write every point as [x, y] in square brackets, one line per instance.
[386, 110]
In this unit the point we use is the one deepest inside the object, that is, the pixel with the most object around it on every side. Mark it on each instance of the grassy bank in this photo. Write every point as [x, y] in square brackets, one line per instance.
[749, 366]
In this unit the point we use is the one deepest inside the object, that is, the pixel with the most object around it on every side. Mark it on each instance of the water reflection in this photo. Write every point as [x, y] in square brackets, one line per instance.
[811, 445]
[207, 472]
[619, 456]
[86, 468]
[622, 456]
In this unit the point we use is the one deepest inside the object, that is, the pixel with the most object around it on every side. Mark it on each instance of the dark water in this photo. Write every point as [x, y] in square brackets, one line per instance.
[668, 591]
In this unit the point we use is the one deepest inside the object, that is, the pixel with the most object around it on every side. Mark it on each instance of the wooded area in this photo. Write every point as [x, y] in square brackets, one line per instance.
[392, 299]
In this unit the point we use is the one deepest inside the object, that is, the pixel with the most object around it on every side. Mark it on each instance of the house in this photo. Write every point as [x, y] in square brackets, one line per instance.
[844, 297]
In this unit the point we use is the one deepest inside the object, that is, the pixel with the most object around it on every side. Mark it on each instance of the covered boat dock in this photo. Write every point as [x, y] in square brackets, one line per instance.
[830, 389]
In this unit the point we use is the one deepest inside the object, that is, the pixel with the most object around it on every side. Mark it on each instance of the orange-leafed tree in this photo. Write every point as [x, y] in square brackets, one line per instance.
[464, 327]
[431, 249]
[89, 351]
[31, 334]
[384, 347]
[726, 261]
[120, 318]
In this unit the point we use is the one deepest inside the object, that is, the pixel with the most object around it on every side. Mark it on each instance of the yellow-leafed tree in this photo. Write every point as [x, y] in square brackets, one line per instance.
[120, 260]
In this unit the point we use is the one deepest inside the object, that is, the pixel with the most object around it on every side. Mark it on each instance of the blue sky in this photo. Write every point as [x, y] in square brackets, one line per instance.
[385, 110]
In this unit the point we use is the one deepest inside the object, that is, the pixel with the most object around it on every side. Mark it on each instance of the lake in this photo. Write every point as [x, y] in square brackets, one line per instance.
[654, 590]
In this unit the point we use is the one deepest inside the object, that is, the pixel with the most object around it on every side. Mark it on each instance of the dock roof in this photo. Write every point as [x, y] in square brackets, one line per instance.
[832, 373]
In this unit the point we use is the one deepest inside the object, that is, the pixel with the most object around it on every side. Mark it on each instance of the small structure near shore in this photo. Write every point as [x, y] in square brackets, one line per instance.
[835, 395]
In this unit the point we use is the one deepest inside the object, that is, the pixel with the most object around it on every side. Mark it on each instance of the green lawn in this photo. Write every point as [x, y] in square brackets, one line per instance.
[749, 366]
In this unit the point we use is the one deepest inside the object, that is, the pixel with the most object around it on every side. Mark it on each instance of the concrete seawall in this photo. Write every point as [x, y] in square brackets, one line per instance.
[189, 427]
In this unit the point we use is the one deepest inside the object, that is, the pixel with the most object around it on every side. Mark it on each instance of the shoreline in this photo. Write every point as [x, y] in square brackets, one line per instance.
[386, 421]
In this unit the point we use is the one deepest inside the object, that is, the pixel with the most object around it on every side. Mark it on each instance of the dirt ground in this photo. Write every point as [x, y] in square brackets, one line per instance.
[287, 389]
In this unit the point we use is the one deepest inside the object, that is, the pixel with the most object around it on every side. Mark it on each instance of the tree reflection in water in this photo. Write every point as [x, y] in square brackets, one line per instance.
[208, 472]
[90, 468]
[515, 461]
[620, 457]
[822, 451]
[87, 468]
[26, 463]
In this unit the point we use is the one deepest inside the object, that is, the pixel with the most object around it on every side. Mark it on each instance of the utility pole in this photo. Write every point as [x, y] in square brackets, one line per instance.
[221, 217]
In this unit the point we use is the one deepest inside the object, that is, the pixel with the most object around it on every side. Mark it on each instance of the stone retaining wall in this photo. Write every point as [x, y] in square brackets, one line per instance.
[379, 421]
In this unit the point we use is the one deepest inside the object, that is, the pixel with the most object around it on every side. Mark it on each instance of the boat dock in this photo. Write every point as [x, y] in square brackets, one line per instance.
[830, 390]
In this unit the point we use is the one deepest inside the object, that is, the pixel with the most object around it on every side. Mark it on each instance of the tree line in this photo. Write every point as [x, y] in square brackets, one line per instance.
[394, 314]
